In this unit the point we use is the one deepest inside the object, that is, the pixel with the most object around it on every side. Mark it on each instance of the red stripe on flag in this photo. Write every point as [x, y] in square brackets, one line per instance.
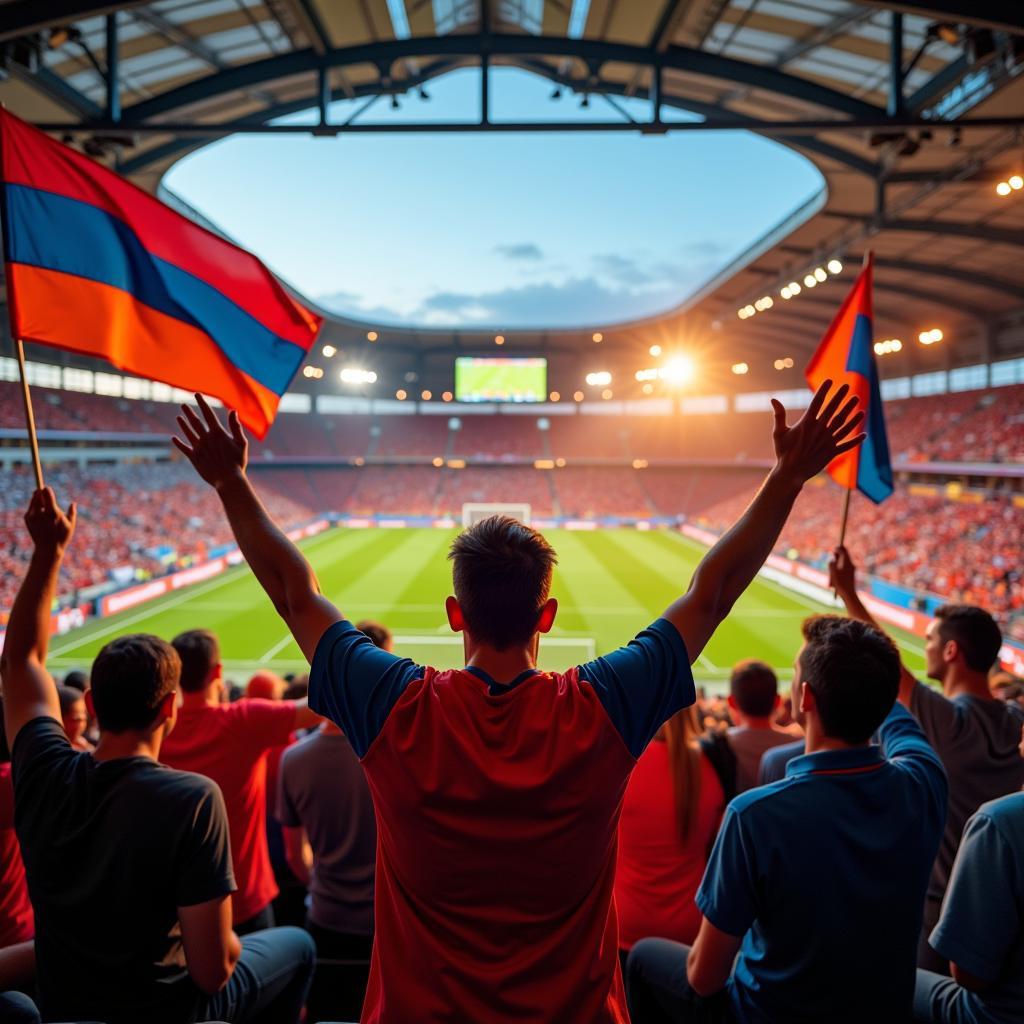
[829, 363]
[96, 319]
[32, 158]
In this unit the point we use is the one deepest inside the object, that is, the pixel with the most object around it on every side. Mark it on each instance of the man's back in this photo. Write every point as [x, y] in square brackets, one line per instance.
[749, 745]
[112, 849]
[322, 788]
[497, 808]
[827, 869]
[978, 741]
[229, 744]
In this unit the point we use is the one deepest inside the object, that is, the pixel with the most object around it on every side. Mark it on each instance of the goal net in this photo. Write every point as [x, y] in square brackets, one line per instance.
[473, 512]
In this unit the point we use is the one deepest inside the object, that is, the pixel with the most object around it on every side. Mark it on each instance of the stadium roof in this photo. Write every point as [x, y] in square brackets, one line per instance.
[872, 92]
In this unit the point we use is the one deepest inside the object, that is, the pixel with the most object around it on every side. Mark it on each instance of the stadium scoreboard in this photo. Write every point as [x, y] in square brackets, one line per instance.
[490, 379]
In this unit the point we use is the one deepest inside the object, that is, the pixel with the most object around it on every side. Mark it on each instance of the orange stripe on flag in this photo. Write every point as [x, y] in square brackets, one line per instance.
[96, 319]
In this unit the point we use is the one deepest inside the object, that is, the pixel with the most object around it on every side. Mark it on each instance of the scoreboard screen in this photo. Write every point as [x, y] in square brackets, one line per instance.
[500, 380]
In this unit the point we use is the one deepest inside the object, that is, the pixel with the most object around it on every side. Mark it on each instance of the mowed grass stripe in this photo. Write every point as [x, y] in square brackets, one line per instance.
[419, 605]
[584, 583]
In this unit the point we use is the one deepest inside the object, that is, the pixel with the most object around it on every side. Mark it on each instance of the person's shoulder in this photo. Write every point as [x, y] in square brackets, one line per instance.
[1006, 813]
[166, 783]
[765, 800]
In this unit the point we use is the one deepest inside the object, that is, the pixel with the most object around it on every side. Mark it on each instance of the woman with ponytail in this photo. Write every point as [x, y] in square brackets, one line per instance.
[670, 815]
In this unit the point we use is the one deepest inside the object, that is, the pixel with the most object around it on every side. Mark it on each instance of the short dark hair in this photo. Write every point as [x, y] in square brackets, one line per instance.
[77, 680]
[853, 670]
[376, 631]
[199, 652]
[754, 687]
[68, 697]
[131, 677]
[975, 631]
[501, 571]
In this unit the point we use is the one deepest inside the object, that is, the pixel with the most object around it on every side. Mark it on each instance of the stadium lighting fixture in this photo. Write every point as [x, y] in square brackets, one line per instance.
[786, 293]
[426, 396]
[794, 288]
[354, 375]
[834, 267]
[810, 281]
[577, 396]
[599, 379]
[554, 396]
[606, 394]
[740, 368]
[598, 337]
[783, 364]
[820, 275]
[499, 339]
[678, 370]
[401, 394]
[437, 461]
[639, 463]
[648, 389]
[446, 397]
[651, 374]
[742, 313]
[328, 351]
[931, 337]
[888, 346]
[559, 463]
[313, 372]
[1016, 182]
[654, 350]
[371, 335]
[750, 310]
[1003, 188]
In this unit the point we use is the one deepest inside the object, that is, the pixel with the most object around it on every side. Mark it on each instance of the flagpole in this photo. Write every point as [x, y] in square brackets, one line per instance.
[26, 395]
[868, 254]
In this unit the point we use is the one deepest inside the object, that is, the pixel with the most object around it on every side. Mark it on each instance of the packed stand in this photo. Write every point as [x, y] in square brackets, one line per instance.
[132, 518]
[923, 542]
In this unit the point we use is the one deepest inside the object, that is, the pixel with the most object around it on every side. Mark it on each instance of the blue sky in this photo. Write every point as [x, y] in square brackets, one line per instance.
[499, 230]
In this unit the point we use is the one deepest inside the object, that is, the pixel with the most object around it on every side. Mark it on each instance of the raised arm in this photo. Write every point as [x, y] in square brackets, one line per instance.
[29, 691]
[801, 451]
[842, 576]
[220, 457]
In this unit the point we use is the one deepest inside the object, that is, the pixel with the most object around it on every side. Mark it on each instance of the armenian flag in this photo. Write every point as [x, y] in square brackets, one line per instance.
[96, 265]
[846, 355]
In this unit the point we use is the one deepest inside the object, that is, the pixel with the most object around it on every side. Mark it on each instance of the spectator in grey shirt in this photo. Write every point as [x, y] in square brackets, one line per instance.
[330, 836]
[753, 703]
[977, 736]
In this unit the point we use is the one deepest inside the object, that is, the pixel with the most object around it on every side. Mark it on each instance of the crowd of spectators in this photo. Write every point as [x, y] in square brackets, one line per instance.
[132, 521]
[849, 855]
[922, 541]
[969, 426]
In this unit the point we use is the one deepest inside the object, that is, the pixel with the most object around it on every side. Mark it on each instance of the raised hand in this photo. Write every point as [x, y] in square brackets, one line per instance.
[49, 527]
[823, 432]
[842, 573]
[218, 455]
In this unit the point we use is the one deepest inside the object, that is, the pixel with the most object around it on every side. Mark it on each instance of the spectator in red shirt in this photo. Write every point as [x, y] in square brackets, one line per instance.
[17, 925]
[673, 805]
[229, 743]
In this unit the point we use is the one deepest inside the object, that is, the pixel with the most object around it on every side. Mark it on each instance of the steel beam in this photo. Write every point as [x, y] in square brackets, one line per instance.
[1006, 15]
[768, 128]
[113, 75]
[591, 52]
[22, 17]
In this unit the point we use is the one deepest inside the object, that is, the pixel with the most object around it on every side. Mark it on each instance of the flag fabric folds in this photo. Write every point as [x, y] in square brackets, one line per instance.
[846, 355]
[98, 266]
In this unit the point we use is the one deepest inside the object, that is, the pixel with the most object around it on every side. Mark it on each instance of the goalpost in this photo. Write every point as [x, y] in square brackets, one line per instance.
[474, 511]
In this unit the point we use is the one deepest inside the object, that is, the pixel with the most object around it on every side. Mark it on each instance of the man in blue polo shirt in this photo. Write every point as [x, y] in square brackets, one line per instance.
[817, 881]
[981, 929]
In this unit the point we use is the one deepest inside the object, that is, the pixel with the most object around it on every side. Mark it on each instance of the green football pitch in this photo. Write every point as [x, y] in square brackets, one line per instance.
[609, 584]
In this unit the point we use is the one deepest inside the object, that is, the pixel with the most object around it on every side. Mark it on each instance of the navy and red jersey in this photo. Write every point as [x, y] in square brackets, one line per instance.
[497, 810]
